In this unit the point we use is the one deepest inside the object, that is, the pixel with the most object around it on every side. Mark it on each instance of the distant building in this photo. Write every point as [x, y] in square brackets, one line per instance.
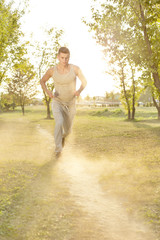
[100, 101]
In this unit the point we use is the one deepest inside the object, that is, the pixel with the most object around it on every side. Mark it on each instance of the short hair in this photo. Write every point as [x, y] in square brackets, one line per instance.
[64, 50]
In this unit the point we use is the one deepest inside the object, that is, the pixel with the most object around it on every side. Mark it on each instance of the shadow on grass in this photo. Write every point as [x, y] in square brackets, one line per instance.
[152, 126]
[147, 123]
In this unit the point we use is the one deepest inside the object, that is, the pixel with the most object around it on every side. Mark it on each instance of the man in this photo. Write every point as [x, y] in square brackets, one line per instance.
[64, 98]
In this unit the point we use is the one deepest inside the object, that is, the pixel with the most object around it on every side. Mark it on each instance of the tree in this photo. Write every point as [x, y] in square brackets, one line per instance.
[7, 102]
[151, 93]
[156, 99]
[47, 55]
[130, 87]
[87, 98]
[124, 87]
[146, 95]
[23, 85]
[10, 34]
[129, 31]
[124, 70]
[112, 96]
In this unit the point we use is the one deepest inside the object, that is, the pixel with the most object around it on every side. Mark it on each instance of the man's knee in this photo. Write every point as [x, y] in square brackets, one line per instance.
[59, 122]
[68, 129]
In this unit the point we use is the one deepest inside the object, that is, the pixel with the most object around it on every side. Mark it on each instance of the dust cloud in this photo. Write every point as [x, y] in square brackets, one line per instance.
[82, 179]
[75, 172]
[107, 212]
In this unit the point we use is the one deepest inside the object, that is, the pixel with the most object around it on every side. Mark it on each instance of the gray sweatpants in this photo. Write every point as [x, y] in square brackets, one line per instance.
[63, 116]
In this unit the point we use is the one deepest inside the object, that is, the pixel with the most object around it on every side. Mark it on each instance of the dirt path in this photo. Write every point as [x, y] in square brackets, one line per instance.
[109, 215]
[81, 177]
[65, 201]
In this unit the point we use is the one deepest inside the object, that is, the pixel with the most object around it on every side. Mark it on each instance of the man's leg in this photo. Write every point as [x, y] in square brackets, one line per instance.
[68, 115]
[58, 130]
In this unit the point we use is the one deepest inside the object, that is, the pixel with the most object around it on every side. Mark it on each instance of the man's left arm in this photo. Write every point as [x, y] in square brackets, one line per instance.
[82, 79]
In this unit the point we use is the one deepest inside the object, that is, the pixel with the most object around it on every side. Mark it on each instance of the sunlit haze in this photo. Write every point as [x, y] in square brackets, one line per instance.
[85, 52]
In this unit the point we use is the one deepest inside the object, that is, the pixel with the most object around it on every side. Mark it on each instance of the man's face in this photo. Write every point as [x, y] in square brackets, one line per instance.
[63, 58]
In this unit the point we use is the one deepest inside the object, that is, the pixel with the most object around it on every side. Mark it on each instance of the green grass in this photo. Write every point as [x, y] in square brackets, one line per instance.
[129, 151]
[132, 153]
[26, 177]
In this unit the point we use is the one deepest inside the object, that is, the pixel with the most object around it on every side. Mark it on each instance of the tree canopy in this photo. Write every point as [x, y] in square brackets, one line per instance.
[129, 31]
[10, 34]
[23, 85]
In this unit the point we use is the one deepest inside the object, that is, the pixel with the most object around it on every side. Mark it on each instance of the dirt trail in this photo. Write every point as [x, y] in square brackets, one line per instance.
[81, 176]
[65, 200]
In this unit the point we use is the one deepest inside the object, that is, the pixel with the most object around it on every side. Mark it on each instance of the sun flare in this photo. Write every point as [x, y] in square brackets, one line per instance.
[85, 52]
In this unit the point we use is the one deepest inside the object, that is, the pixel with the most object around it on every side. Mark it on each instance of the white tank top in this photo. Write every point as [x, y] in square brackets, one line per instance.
[65, 86]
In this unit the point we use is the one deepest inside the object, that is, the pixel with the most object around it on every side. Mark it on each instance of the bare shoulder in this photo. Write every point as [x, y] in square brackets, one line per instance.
[50, 71]
[76, 69]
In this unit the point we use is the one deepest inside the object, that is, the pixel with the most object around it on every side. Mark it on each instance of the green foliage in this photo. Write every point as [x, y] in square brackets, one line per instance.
[146, 96]
[46, 54]
[112, 96]
[23, 85]
[107, 112]
[118, 112]
[87, 98]
[7, 102]
[150, 91]
[130, 35]
[46, 51]
[10, 34]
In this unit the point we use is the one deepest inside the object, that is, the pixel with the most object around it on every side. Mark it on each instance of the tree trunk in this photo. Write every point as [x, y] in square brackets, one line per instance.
[125, 93]
[133, 112]
[146, 38]
[129, 114]
[13, 106]
[159, 113]
[48, 110]
[157, 107]
[47, 100]
[0, 107]
[133, 95]
[22, 106]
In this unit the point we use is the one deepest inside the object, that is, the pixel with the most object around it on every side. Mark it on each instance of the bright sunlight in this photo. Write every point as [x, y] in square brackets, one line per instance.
[85, 52]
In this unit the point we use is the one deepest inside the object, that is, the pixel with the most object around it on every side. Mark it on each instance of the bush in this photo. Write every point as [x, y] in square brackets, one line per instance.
[118, 112]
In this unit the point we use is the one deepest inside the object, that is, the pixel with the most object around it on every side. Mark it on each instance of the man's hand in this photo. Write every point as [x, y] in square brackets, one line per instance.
[77, 94]
[50, 94]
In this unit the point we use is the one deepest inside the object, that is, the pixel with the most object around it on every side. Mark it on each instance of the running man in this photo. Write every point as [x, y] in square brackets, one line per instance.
[64, 98]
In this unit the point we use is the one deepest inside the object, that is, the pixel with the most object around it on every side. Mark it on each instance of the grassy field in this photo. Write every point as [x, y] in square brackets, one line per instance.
[128, 150]
[133, 151]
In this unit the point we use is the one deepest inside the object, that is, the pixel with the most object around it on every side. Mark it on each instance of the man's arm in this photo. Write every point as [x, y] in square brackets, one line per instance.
[43, 81]
[82, 79]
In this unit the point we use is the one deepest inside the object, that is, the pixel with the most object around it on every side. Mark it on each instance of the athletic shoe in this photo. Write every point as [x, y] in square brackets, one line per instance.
[58, 154]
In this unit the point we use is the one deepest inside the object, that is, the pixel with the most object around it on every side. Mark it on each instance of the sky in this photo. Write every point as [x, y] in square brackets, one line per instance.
[85, 52]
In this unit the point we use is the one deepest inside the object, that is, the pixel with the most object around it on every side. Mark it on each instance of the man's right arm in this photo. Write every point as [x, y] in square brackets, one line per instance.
[43, 81]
